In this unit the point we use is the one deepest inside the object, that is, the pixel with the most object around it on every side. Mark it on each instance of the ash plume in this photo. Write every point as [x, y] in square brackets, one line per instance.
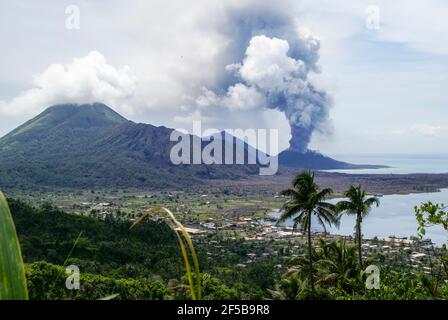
[268, 62]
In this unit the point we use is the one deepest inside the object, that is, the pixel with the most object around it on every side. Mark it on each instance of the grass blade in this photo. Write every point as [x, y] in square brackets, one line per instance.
[67, 258]
[187, 264]
[12, 270]
[176, 225]
[192, 250]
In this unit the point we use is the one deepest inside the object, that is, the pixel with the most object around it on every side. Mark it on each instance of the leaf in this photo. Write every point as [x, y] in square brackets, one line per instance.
[12, 270]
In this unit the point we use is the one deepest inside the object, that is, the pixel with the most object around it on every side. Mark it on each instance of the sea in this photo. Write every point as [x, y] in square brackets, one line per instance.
[397, 163]
[395, 216]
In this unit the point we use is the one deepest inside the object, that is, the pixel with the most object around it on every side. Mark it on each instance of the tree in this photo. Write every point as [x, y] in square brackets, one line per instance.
[290, 287]
[307, 200]
[337, 262]
[357, 204]
[429, 214]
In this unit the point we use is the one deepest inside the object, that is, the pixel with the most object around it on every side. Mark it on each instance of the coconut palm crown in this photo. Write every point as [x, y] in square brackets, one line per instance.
[306, 201]
[357, 204]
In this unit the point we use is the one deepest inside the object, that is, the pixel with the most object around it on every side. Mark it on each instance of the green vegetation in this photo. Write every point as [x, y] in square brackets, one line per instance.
[142, 263]
[330, 271]
[92, 146]
[195, 288]
[124, 251]
[45, 283]
[357, 204]
[308, 201]
[338, 277]
[12, 273]
[429, 214]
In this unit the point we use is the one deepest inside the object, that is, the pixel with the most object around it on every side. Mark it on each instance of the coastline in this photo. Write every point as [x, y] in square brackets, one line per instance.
[394, 217]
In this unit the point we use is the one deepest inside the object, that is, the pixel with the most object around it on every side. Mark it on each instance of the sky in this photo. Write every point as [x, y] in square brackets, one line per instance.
[372, 74]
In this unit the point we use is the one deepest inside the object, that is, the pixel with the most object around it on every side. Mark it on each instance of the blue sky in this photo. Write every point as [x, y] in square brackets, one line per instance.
[149, 59]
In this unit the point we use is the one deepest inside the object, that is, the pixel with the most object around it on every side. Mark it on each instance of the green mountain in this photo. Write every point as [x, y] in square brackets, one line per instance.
[92, 146]
[58, 130]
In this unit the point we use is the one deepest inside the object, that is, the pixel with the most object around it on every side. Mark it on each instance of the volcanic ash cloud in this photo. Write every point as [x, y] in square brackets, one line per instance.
[269, 77]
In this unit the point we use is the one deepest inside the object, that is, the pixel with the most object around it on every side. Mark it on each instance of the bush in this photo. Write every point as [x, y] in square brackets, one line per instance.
[46, 281]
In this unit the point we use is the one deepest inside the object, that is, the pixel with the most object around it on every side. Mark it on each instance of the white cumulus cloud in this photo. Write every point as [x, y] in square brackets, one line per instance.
[243, 97]
[267, 64]
[85, 80]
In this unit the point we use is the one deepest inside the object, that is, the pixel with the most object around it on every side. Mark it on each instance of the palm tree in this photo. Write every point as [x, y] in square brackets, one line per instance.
[307, 200]
[357, 204]
[337, 262]
[290, 287]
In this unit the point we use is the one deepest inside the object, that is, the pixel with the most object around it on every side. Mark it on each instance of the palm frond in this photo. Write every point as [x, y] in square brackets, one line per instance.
[288, 193]
[346, 206]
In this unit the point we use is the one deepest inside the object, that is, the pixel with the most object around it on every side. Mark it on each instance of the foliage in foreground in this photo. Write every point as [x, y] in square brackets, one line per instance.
[429, 214]
[46, 283]
[308, 201]
[338, 278]
[12, 274]
[358, 204]
[179, 229]
[330, 271]
[145, 264]
[119, 260]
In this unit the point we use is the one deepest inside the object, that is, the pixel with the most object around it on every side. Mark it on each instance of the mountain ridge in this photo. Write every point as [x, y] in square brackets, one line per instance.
[84, 146]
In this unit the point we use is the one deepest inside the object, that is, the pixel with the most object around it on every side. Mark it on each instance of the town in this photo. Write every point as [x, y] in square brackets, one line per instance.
[217, 218]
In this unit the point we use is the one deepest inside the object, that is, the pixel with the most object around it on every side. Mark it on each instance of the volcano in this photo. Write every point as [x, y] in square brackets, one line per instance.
[314, 160]
[92, 146]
